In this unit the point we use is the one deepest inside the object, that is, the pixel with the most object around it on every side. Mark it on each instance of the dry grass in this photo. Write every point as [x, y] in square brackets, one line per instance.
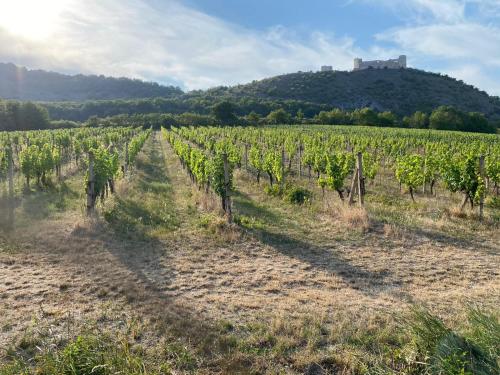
[301, 276]
[354, 217]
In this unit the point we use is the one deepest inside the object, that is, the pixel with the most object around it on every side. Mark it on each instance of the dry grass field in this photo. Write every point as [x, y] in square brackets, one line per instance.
[161, 284]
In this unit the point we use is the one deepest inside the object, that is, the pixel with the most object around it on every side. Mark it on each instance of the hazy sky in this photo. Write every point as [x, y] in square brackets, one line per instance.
[202, 43]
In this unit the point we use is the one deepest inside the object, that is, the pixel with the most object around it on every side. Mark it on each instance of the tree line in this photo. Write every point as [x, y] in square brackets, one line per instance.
[16, 115]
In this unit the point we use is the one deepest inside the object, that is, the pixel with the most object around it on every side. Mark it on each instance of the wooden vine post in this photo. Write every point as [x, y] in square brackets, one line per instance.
[227, 190]
[125, 169]
[91, 186]
[425, 172]
[481, 198]
[11, 190]
[358, 182]
[300, 159]
[282, 183]
[246, 156]
[361, 180]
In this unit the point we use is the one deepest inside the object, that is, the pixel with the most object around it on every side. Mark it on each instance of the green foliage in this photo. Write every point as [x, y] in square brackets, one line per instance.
[106, 168]
[216, 172]
[206, 170]
[224, 113]
[273, 165]
[255, 157]
[36, 161]
[338, 167]
[297, 195]
[436, 349]
[410, 171]
[136, 144]
[279, 116]
[23, 116]
[86, 354]
[5, 159]
[419, 120]
[462, 174]
[446, 118]
[273, 190]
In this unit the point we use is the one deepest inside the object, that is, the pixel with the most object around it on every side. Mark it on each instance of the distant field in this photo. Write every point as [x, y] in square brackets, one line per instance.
[249, 250]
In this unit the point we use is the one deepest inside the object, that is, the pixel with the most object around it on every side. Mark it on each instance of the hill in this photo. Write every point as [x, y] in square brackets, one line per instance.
[402, 91]
[39, 85]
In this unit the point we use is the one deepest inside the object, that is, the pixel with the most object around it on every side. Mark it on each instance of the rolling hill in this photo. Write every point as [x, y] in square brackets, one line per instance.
[39, 85]
[402, 91]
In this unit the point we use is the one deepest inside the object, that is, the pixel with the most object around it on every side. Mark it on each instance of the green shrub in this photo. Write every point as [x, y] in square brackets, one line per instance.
[297, 195]
[274, 190]
[441, 350]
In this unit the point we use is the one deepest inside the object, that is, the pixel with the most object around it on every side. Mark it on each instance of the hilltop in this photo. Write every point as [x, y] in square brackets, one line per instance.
[402, 91]
[39, 85]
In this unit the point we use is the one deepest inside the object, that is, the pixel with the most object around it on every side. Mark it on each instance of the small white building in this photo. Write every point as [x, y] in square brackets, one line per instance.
[327, 68]
[398, 63]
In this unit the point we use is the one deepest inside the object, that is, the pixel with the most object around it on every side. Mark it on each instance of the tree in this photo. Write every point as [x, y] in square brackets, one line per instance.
[280, 116]
[419, 120]
[364, 116]
[253, 118]
[477, 122]
[224, 112]
[446, 118]
[299, 116]
[387, 118]
[23, 116]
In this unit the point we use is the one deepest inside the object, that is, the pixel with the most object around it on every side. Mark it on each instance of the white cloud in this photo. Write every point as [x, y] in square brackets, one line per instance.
[170, 41]
[458, 41]
[454, 36]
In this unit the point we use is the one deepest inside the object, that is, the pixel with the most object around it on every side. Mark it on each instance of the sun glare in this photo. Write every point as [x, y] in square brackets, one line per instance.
[33, 19]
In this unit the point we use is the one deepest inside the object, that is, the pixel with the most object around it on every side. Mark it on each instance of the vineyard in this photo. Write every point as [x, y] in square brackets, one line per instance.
[467, 164]
[103, 155]
[277, 249]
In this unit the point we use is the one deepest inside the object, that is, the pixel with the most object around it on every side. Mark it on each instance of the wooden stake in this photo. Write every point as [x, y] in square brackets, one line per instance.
[91, 186]
[282, 168]
[227, 191]
[481, 200]
[126, 158]
[246, 156]
[425, 171]
[300, 159]
[354, 185]
[361, 180]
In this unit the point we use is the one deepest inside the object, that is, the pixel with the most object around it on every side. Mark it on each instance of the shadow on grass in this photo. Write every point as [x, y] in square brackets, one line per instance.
[148, 258]
[244, 205]
[280, 236]
[40, 204]
[147, 203]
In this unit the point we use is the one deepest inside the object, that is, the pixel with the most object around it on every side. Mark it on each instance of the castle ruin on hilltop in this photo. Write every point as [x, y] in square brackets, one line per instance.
[398, 63]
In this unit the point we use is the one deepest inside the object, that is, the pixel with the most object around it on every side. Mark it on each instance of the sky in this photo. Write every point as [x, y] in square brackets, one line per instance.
[197, 44]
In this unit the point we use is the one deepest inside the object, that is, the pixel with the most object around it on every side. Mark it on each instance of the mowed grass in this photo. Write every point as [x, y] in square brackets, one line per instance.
[335, 287]
[144, 201]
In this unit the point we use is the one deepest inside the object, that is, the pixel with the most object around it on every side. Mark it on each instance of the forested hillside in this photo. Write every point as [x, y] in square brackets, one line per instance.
[39, 85]
[403, 91]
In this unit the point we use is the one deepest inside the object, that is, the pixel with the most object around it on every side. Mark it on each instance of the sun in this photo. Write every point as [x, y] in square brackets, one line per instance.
[32, 19]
